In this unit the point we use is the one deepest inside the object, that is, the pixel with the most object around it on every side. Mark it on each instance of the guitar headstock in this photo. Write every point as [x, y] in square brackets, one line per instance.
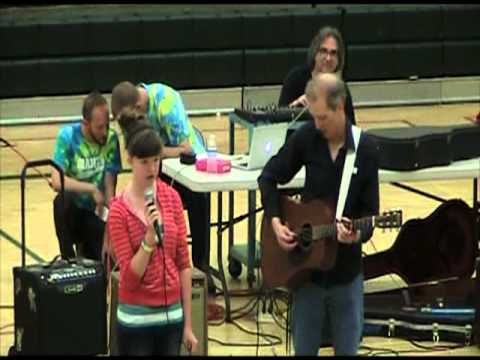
[389, 219]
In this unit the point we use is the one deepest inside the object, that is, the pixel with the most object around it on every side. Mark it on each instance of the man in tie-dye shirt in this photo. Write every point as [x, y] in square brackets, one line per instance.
[88, 152]
[166, 113]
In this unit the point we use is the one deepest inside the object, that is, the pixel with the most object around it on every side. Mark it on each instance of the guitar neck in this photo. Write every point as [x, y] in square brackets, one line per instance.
[330, 230]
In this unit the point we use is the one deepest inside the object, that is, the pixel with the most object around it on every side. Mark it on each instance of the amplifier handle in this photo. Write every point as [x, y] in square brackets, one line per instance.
[29, 164]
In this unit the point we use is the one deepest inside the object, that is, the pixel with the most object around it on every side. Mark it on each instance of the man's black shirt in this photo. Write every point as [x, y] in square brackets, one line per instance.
[308, 147]
[294, 87]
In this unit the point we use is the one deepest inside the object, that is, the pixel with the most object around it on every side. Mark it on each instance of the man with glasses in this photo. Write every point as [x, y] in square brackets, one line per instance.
[88, 152]
[325, 55]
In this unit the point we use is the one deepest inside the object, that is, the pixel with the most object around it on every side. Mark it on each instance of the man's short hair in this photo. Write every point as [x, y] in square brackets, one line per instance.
[316, 44]
[124, 94]
[90, 102]
[328, 85]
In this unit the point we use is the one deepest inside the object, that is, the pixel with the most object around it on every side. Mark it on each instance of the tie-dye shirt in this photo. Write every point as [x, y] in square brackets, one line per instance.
[166, 113]
[86, 161]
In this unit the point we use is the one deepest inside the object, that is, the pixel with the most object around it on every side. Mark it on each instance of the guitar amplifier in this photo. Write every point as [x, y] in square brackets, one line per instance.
[60, 308]
[199, 313]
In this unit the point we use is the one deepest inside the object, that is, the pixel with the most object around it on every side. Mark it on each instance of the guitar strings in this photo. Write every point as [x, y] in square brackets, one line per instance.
[360, 224]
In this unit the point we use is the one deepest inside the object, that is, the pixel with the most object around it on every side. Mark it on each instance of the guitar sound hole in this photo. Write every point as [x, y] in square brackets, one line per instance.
[305, 238]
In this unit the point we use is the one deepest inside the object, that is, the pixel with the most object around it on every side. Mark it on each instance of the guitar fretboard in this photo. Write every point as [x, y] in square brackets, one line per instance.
[329, 230]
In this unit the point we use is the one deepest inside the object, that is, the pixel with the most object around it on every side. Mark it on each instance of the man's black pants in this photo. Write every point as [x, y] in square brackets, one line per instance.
[78, 226]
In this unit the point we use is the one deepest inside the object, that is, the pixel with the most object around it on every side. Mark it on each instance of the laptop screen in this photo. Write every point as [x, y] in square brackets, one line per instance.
[266, 141]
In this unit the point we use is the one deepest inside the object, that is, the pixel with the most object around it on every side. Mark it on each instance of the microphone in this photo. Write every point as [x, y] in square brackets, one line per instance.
[149, 199]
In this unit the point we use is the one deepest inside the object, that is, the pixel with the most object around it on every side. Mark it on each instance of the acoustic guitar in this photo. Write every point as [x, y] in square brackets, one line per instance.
[442, 245]
[314, 224]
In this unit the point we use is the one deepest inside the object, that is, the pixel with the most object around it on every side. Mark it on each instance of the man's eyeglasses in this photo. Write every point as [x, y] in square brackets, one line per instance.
[324, 52]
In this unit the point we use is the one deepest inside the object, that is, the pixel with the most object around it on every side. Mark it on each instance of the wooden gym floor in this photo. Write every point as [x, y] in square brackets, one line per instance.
[37, 142]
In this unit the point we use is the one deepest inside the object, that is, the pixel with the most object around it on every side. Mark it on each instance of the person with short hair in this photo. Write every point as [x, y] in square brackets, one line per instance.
[88, 152]
[155, 283]
[326, 54]
[165, 111]
[329, 303]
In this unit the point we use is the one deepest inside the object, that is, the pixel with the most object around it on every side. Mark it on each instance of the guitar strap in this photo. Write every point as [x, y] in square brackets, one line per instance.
[347, 172]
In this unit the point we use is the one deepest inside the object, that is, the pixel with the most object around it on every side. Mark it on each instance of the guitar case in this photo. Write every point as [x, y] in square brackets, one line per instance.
[464, 142]
[414, 148]
[436, 257]
[437, 311]
[440, 246]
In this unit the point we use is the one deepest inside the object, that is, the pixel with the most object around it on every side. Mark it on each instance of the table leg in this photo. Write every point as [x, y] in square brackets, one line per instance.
[231, 213]
[231, 194]
[252, 202]
[221, 272]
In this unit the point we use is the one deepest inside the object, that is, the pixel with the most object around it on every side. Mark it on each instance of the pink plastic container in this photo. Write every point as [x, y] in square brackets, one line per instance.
[220, 166]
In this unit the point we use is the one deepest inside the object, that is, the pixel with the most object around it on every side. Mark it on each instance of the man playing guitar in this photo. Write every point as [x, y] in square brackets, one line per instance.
[329, 305]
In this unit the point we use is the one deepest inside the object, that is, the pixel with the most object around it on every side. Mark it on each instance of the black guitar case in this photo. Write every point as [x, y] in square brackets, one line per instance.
[441, 246]
[436, 311]
[414, 148]
[464, 142]
[436, 257]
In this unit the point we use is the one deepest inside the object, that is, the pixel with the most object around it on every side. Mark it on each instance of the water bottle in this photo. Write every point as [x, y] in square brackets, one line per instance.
[211, 154]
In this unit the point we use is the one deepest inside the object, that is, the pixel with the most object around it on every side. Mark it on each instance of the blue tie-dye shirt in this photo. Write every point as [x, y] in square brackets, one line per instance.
[86, 161]
[166, 113]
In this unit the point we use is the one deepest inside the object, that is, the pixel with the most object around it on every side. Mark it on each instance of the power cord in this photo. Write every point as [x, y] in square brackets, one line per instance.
[173, 178]
[267, 337]
[373, 351]
[234, 312]
[12, 147]
[270, 338]
[435, 347]
[259, 299]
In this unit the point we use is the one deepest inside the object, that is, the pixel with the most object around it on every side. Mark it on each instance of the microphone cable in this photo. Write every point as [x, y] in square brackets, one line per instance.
[165, 279]
[305, 108]
[160, 245]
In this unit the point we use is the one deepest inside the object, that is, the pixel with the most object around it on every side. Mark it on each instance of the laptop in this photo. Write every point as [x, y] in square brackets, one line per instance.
[266, 141]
